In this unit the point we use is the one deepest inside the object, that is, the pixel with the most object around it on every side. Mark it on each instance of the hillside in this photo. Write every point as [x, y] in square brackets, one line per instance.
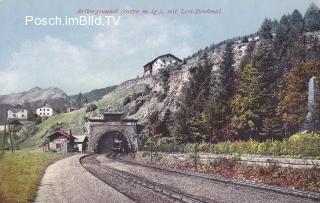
[249, 87]
[33, 95]
[55, 97]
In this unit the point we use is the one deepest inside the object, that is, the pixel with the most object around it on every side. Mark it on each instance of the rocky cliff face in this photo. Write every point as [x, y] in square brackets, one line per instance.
[140, 97]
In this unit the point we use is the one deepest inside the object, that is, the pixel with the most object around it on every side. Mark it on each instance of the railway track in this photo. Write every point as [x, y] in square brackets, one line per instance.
[155, 187]
[286, 191]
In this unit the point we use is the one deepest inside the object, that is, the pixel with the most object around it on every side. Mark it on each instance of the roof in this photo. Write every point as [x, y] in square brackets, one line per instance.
[45, 106]
[80, 138]
[16, 110]
[15, 122]
[58, 133]
[151, 62]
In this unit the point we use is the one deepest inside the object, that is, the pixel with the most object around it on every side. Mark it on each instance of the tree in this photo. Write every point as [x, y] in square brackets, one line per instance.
[194, 98]
[274, 24]
[256, 98]
[265, 29]
[292, 108]
[79, 100]
[282, 35]
[247, 101]
[220, 94]
[91, 108]
[312, 18]
[296, 23]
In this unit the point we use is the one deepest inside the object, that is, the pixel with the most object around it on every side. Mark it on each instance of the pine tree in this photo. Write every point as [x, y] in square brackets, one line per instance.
[265, 29]
[296, 23]
[79, 100]
[247, 102]
[282, 36]
[292, 107]
[275, 25]
[221, 92]
[312, 18]
[192, 103]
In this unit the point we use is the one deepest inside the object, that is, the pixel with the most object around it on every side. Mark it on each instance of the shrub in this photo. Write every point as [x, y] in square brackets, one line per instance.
[91, 107]
[301, 145]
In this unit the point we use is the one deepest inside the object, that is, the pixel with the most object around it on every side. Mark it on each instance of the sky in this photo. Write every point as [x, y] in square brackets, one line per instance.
[82, 58]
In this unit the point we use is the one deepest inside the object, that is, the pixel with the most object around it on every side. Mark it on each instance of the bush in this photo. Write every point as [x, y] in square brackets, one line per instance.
[299, 145]
[302, 145]
[91, 107]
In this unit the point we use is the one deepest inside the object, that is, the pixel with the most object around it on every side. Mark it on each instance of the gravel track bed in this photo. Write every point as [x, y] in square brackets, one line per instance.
[133, 191]
[199, 187]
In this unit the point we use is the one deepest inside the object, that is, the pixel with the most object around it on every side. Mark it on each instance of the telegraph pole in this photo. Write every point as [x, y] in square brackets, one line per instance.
[10, 137]
[4, 134]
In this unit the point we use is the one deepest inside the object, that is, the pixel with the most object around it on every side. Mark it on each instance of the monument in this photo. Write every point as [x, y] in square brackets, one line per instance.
[312, 119]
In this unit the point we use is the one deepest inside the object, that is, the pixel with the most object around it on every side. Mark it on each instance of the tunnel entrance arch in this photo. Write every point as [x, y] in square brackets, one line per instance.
[103, 133]
[107, 142]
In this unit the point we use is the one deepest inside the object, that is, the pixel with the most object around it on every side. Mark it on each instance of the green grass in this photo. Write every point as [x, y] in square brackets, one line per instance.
[297, 146]
[33, 138]
[21, 172]
[114, 99]
[71, 120]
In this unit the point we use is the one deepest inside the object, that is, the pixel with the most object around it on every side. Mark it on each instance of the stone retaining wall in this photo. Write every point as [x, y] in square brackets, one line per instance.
[254, 159]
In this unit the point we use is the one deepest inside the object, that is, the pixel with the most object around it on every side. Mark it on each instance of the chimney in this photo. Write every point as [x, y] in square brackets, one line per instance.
[70, 132]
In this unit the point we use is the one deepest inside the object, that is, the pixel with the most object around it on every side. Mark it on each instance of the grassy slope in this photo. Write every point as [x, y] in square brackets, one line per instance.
[20, 174]
[114, 99]
[74, 120]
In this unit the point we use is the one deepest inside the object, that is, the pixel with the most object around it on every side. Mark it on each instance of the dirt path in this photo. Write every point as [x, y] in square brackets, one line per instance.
[67, 181]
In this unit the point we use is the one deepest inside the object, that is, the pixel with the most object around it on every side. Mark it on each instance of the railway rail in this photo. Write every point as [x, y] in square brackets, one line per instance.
[287, 191]
[155, 187]
[176, 194]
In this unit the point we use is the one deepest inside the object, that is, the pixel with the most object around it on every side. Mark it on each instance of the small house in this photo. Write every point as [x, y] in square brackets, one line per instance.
[45, 111]
[18, 113]
[2, 126]
[160, 62]
[81, 142]
[60, 141]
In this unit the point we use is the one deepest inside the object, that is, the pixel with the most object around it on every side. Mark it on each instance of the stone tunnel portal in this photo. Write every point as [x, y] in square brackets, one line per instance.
[108, 140]
[112, 128]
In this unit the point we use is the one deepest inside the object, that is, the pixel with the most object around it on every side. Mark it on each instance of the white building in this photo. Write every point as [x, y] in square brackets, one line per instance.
[17, 113]
[160, 62]
[81, 142]
[45, 111]
[2, 126]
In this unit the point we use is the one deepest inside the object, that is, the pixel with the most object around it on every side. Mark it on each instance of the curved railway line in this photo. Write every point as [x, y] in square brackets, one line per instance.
[287, 191]
[155, 187]
[133, 184]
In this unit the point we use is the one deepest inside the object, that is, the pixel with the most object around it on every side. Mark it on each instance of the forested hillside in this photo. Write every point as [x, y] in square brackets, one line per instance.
[249, 87]
[264, 97]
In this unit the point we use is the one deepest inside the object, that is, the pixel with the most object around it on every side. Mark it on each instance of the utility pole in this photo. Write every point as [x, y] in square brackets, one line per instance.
[151, 151]
[4, 134]
[10, 137]
[196, 156]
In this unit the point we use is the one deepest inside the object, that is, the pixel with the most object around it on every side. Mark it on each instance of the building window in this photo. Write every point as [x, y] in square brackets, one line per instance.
[14, 115]
[22, 115]
[47, 109]
[164, 61]
[40, 114]
[48, 114]
[40, 109]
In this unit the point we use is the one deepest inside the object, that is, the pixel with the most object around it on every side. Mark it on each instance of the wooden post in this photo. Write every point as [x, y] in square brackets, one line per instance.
[4, 135]
[10, 137]
[151, 151]
[196, 156]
